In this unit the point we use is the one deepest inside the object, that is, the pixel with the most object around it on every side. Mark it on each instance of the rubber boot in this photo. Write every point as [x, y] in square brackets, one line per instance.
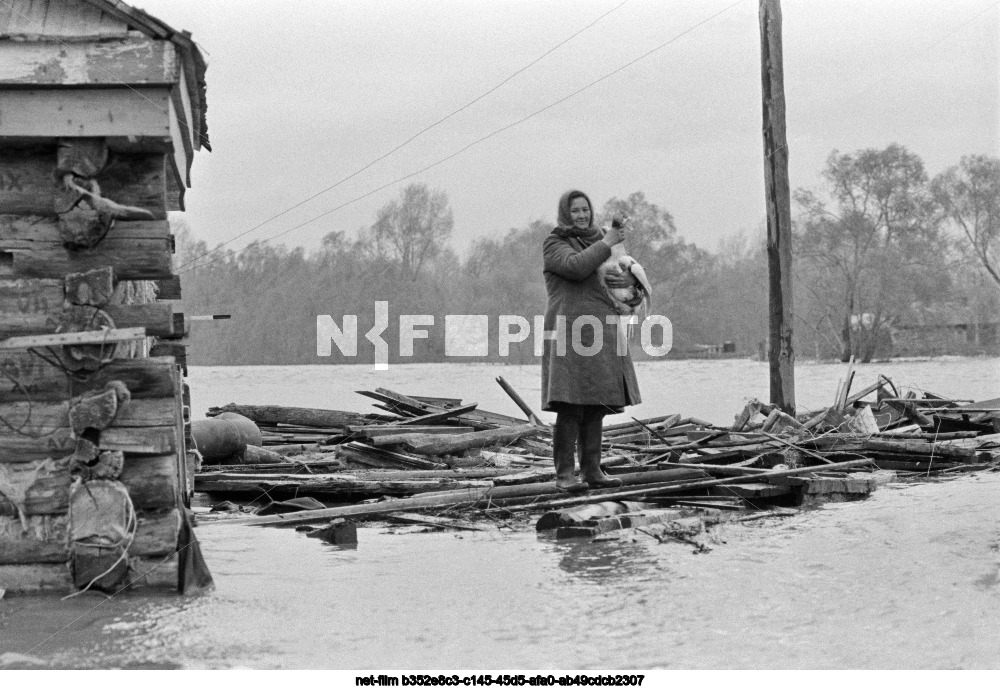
[590, 452]
[564, 436]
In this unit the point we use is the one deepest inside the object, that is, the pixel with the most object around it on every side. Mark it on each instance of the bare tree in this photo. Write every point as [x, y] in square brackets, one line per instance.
[878, 250]
[969, 193]
[414, 229]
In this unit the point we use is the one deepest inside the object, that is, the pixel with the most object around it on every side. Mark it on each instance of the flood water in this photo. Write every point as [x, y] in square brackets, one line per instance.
[909, 578]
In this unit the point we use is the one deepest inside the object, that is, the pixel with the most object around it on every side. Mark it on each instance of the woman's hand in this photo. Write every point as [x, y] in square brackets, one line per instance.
[622, 280]
[613, 236]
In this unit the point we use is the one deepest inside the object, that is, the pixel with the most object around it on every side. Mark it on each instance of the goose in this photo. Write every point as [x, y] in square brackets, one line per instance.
[628, 300]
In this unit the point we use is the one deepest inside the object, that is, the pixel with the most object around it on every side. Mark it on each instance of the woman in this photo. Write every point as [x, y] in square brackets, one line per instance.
[583, 375]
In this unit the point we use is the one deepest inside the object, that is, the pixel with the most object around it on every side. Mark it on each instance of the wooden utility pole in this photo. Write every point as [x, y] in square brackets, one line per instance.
[779, 210]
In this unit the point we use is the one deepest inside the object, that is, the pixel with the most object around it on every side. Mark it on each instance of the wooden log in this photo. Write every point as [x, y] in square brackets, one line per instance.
[45, 485]
[18, 448]
[156, 317]
[134, 60]
[23, 232]
[156, 533]
[916, 448]
[453, 445]
[489, 495]
[152, 481]
[46, 540]
[150, 440]
[523, 406]
[330, 487]
[145, 378]
[298, 416]
[169, 288]
[44, 418]
[593, 511]
[36, 577]
[28, 184]
[160, 572]
[680, 487]
[134, 260]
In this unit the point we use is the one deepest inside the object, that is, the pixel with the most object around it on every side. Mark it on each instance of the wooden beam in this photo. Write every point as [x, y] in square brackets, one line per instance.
[150, 440]
[29, 184]
[22, 232]
[133, 60]
[152, 481]
[779, 215]
[130, 260]
[142, 111]
[39, 381]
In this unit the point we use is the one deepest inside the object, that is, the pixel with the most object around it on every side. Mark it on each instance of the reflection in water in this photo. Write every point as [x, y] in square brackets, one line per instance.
[611, 561]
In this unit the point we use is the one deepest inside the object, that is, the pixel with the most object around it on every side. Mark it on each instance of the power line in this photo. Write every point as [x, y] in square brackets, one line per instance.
[415, 136]
[486, 136]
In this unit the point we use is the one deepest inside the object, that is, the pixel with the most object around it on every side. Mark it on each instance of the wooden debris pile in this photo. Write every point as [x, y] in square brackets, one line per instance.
[441, 454]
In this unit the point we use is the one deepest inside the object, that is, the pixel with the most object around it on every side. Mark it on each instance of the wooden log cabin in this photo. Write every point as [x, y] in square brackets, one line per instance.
[102, 108]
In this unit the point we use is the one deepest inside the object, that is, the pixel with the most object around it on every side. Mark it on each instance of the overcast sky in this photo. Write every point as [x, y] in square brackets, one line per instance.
[302, 94]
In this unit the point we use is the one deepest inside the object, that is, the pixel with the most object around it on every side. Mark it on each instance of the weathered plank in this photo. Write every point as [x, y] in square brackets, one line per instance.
[58, 18]
[98, 112]
[133, 60]
[46, 541]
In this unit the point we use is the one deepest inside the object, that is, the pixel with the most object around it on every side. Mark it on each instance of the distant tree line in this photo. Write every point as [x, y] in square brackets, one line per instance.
[879, 244]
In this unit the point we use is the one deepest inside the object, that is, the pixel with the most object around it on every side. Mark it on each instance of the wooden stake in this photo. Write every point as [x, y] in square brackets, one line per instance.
[779, 213]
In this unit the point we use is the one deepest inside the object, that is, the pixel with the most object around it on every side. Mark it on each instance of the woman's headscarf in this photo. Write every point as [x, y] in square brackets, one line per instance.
[565, 228]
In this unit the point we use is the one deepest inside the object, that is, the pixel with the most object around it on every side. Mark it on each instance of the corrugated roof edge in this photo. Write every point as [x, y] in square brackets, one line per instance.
[194, 62]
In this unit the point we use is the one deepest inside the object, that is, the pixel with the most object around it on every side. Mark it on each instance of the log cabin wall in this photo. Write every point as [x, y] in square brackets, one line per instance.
[102, 108]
